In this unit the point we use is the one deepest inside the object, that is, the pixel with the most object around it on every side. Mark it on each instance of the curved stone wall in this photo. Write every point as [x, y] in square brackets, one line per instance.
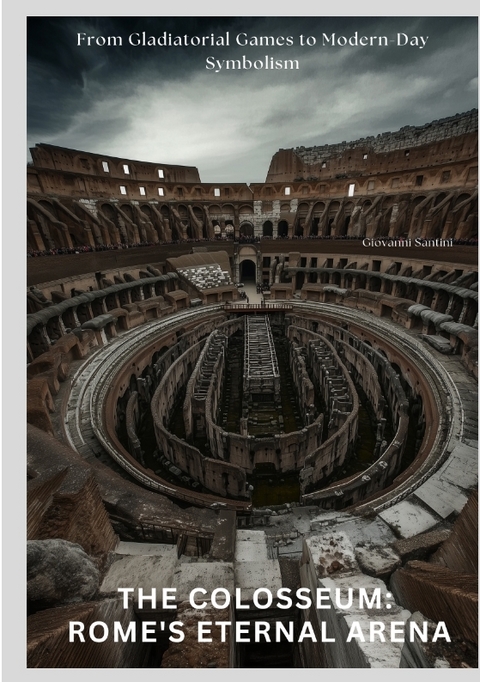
[444, 312]
[185, 455]
[215, 474]
[121, 306]
[452, 141]
[367, 365]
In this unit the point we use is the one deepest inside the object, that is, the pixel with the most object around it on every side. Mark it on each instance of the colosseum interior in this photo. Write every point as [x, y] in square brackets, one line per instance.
[245, 388]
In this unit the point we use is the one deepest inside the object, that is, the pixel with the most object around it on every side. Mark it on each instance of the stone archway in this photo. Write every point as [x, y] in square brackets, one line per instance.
[247, 254]
[267, 230]
[246, 230]
[248, 271]
[282, 228]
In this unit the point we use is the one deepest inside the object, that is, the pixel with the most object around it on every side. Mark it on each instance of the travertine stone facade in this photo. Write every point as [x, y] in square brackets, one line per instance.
[449, 140]
[406, 137]
[418, 182]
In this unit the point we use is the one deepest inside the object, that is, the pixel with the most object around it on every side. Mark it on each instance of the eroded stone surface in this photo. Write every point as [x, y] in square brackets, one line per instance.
[59, 572]
[377, 561]
[194, 654]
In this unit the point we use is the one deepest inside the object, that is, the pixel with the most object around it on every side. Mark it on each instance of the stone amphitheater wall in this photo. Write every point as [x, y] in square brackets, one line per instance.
[446, 141]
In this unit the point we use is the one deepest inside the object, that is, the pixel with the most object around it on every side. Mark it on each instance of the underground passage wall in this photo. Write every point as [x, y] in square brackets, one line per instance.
[158, 365]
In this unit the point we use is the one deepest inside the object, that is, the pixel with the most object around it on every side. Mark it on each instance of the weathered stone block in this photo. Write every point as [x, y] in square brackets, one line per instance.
[59, 572]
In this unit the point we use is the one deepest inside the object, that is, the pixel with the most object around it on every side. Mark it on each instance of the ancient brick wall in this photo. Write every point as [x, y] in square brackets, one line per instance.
[450, 141]
[460, 551]
[406, 137]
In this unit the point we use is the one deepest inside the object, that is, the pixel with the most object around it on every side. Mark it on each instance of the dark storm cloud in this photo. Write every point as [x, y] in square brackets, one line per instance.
[60, 73]
[157, 103]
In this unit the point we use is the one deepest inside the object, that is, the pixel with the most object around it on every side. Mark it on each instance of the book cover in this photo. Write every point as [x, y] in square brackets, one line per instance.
[252, 342]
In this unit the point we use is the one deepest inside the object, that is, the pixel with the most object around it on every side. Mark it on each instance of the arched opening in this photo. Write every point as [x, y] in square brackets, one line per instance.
[383, 224]
[136, 294]
[248, 271]
[471, 313]
[127, 209]
[123, 297]
[175, 233]
[300, 280]
[69, 319]
[332, 214]
[302, 213]
[49, 208]
[268, 229]
[97, 308]
[153, 220]
[342, 229]
[282, 229]
[361, 281]
[229, 215]
[318, 210]
[74, 240]
[31, 237]
[38, 341]
[456, 308]
[439, 198]
[414, 217]
[110, 302]
[246, 230]
[412, 292]
[387, 286]
[245, 215]
[460, 199]
[53, 328]
[107, 211]
[427, 297]
[84, 313]
[442, 301]
[198, 213]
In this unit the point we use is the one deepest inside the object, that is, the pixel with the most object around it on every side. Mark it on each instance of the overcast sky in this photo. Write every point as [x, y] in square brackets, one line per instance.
[162, 104]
